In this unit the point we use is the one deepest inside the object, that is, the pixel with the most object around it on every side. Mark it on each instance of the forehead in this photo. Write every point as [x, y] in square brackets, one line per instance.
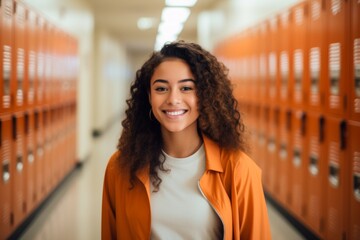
[172, 69]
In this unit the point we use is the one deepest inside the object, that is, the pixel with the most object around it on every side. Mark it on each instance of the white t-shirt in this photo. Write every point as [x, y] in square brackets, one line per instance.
[178, 209]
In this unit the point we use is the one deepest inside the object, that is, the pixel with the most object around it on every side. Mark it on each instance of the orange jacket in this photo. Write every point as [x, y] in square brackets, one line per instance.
[231, 183]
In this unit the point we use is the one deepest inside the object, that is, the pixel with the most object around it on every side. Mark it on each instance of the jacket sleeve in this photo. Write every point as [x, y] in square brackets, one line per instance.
[108, 217]
[249, 196]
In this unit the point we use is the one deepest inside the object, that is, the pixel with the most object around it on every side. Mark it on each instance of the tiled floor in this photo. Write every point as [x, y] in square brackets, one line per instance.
[74, 211]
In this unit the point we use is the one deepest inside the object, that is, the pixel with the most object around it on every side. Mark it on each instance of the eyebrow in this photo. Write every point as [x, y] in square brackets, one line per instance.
[180, 81]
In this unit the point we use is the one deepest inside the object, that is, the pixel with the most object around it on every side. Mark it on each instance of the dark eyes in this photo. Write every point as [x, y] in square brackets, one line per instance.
[183, 89]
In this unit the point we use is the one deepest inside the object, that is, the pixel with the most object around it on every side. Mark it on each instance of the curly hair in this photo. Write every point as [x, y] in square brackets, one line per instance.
[140, 143]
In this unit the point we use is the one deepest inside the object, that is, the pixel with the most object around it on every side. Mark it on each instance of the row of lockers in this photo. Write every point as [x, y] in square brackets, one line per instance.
[311, 166]
[37, 149]
[38, 61]
[306, 57]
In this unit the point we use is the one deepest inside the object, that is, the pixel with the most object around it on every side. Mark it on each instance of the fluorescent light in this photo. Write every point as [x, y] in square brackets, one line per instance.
[175, 14]
[145, 23]
[161, 39]
[170, 27]
[180, 3]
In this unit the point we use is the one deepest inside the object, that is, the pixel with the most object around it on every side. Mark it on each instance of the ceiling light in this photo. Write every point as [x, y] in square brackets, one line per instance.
[180, 3]
[145, 23]
[170, 27]
[175, 14]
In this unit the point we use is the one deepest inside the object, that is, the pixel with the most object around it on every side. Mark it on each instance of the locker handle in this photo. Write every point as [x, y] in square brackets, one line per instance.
[314, 165]
[321, 129]
[0, 130]
[357, 186]
[6, 172]
[36, 122]
[334, 175]
[26, 123]
[30, 156]
[271, 145]
[288, 120]
[343, 135]
[40, 151]
[14, 127]
[297, 158]
[19, 163]
[283, 152]
[303, 123]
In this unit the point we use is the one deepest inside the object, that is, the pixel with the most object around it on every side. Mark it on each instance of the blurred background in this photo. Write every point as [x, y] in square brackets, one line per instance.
[66, 68]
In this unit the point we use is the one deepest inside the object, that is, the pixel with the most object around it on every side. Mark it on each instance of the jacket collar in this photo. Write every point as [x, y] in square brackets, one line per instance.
[212, 153]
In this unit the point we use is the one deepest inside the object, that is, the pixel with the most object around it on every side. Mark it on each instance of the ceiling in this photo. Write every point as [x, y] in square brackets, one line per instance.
[119, 17]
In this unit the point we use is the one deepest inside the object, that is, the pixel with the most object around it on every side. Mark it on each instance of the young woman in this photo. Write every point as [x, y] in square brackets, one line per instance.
[180, 171]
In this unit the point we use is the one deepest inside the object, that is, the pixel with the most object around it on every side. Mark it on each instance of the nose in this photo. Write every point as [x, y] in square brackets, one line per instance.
[174, 97]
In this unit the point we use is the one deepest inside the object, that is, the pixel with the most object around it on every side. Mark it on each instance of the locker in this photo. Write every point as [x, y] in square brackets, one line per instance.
[354, 151]
[337, 186]
[19, 53]
[316, 173]
[263, 63]
[273, 62]
[47, 168]
[316, 55]
[285, 60]
[355, 66]
[30, 158]
[6, 15]
[271, 114]
[299, 51]
[40, 62]
[49, 64]
[262, 148]
[39, 156]
[298, 164]
[31, 63]
[7, 178]
[284, 149]
[337, 61]
[19, 168]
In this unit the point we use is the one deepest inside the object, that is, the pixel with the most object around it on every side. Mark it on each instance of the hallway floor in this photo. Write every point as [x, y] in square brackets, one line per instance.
[74, 211]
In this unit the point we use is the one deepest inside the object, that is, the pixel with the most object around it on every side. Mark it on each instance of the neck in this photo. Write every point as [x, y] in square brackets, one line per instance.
[181, 145]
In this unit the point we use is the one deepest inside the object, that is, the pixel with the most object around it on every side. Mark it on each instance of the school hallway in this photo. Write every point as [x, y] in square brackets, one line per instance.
[74, 210]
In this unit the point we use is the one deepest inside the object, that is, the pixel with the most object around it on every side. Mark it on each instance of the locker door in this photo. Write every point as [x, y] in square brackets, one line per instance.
[337, 74]
[31, 58]
[285, 62]
[355, 59]
[40, 60]
[354, 150]
[271, 154]
[337, 179]
[19, 168]
[19, 54]
[30, 158]
[316, 173]
[262, 136]
[273, 62]
[39, 156]
[317, 57]
[6, 40]
[298, 166]
[284, 167]
[263, 67]
[7, 178]
[299, 53]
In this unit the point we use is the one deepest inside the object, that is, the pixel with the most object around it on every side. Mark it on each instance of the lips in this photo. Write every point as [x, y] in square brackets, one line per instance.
[175, 113]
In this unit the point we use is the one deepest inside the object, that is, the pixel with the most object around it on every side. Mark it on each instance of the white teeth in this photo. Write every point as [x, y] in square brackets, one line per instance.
[176, 113]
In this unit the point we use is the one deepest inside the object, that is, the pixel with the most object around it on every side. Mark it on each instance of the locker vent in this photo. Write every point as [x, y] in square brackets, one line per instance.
[335, 6]
[299, 16]
[357, 71]
[315, 10]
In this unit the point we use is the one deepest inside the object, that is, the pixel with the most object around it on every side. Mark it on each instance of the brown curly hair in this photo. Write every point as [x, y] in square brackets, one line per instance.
[140, 143]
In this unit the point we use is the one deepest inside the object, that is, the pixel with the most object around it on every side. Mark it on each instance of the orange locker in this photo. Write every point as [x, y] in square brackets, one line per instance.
[261, 145]
[39, 156]
[263, 63]
[7, 178]
[19, 53]
[316, 173]
[30, 158]
[298, 163]
[19, 168]
[30, 66]
[354, 150]
[285, 61]
[337, 61]
[337, 186]
[316, 55]
[284, 167]
[299, 80]
[49, 63]
[355, 66]
[6, 44]
[40, 62]
[47, 168]
[273, 62]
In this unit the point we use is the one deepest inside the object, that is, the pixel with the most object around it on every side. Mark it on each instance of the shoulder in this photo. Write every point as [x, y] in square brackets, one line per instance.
[240, 162]
[114, 168]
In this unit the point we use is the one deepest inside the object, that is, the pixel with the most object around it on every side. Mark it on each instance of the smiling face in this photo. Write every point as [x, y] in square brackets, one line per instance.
[173, 97]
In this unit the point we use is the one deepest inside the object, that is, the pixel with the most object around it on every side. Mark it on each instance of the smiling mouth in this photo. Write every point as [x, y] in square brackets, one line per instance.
[175, 113]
